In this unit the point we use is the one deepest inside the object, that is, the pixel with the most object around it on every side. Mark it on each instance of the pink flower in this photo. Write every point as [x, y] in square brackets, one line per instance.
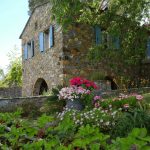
[126, 105]
[96, 105]
[72, 93]
[78, 81]
[97, 98]
[139, 97]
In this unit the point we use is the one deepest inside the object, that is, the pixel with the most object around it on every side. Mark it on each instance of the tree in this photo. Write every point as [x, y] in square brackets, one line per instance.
[13, 76]
[1, 74]
[125, 19]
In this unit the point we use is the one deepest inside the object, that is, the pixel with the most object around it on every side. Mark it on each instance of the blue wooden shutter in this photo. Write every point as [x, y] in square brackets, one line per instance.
[98, 34]
[41, 41]
[32, 47]
[117, 42]
[148, 47]
[25, 48]
[51, 36]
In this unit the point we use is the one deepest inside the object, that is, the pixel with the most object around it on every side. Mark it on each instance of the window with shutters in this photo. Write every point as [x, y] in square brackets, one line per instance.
[30, 47]
[108, 41]
[25, 51]
[46, 39]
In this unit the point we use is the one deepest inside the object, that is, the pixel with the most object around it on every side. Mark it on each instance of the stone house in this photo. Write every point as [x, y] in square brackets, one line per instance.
[50, 54]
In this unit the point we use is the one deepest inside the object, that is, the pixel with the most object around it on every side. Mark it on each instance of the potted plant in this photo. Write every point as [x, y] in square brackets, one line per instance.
[75, 92]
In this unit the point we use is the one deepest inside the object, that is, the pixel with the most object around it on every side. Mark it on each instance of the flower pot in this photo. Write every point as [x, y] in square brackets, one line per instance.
[75, 104]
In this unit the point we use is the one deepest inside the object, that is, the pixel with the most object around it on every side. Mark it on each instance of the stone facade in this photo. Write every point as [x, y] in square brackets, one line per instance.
[67, 57]
[44, 65]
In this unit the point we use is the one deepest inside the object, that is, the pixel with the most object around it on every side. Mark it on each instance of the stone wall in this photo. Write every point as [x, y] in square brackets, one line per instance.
[77, 41]
[11, 92]
[44, 65]
[12, 104]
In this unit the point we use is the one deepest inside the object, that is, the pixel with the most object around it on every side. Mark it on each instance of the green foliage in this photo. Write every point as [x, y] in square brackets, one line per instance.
[137, 139]
[96, 76]
[147, 97]
[43, 120]
[13, 76]
[1, 74]
[89, 137]
[53, 104]
[92, 128]
[136, 118]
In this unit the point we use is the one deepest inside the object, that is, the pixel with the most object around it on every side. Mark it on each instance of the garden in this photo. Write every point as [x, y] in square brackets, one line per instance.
[76, 118]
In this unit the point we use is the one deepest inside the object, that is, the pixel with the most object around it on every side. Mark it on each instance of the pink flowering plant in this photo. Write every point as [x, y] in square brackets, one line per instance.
[123, 101]
[72, 93]
[79, 89]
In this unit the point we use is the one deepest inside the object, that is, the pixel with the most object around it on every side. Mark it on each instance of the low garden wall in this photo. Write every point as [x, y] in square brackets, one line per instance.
[28, 103]
[36, 102]
[10, 92]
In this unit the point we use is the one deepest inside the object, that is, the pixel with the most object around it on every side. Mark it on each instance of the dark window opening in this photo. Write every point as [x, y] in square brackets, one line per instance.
[36, 26]
[112, 82]
[40, 87]
[43, 88]
[46, 39]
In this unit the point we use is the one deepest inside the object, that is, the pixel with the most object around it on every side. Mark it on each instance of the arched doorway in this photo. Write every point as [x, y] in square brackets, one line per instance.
[40, 87]
[113, 84]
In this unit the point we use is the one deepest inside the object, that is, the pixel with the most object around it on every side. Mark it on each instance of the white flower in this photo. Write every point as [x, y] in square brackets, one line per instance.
[102, 111]
[101, 120]
[107, 123]
[81, 123]
[110, 106]
[113, 123]
[120, 109]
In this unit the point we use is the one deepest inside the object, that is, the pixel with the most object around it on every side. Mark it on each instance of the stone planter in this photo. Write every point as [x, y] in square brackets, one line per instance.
[75, 104]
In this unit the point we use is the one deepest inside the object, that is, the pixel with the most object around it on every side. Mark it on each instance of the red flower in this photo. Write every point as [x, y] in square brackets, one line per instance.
[78, 81]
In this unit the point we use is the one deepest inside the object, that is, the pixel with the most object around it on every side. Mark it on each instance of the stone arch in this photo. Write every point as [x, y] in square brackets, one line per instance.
[40, 87]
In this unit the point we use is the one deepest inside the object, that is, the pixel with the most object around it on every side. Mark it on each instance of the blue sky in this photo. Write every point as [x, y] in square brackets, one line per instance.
[13, 17]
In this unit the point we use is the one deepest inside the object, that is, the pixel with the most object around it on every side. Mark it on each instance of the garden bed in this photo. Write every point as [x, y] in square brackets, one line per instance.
[118, 122]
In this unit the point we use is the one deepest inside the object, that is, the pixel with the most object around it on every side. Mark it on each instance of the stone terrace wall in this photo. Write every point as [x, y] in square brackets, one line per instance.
[11, 92]
[12, 104]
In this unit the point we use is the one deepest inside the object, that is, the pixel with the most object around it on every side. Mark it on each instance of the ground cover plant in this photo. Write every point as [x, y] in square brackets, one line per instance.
[107, 124]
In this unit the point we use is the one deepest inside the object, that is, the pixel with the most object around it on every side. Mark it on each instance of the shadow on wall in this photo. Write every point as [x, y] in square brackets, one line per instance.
[40, 87]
